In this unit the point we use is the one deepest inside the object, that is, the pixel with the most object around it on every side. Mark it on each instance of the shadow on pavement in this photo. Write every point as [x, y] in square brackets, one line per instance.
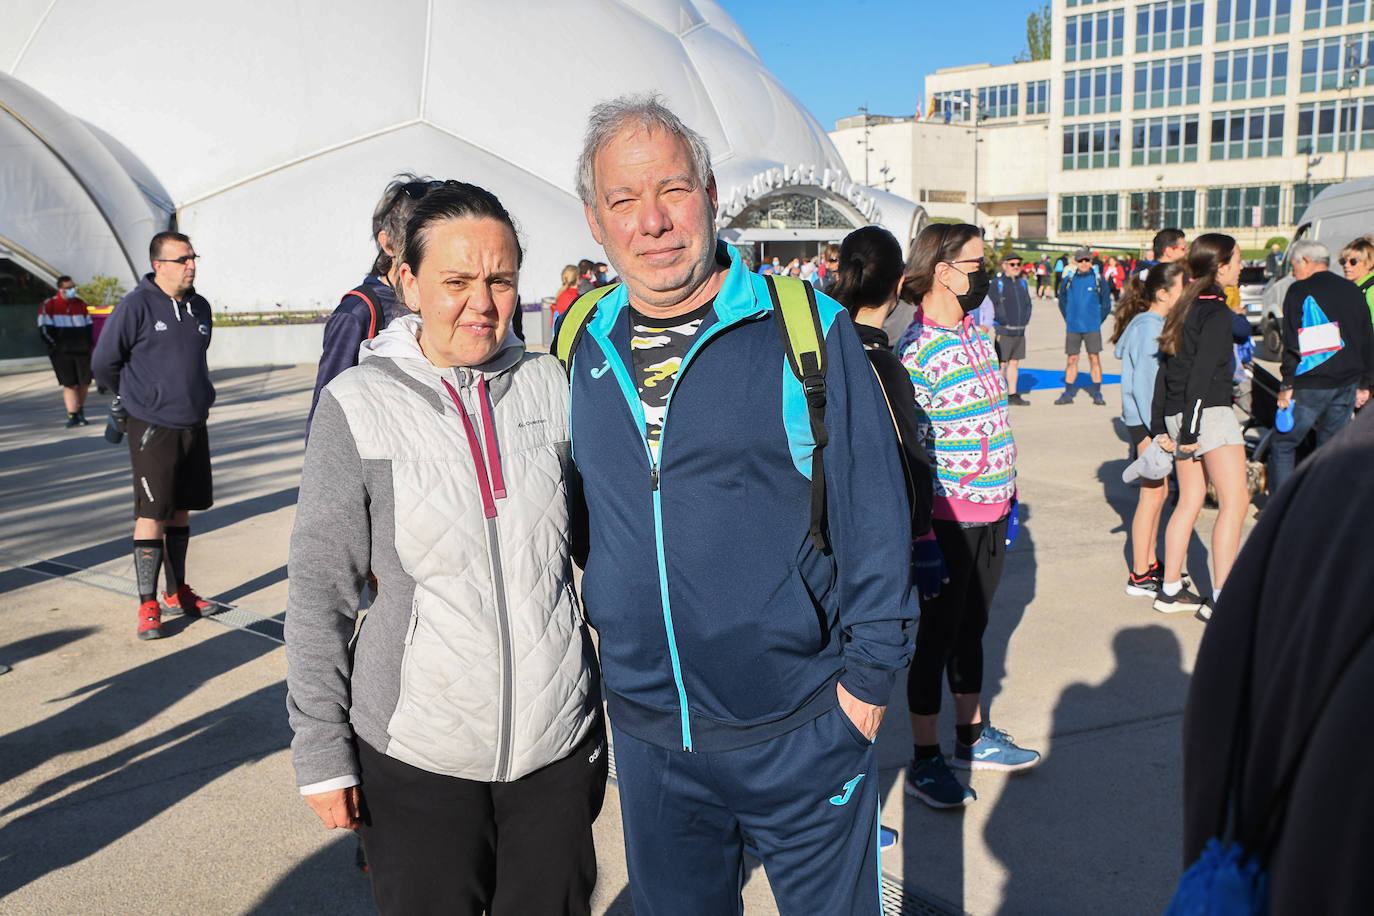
[327, 882]
[21, 651]
[1115, 776]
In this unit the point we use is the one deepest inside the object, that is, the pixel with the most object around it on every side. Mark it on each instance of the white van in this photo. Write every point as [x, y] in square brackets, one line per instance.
[1337, 216]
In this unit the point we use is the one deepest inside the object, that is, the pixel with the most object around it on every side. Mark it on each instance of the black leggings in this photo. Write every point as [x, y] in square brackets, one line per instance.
[949, 637]
[443, 845]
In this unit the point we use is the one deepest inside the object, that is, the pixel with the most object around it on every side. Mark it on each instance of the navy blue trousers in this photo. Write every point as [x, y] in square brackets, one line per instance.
[807, 801]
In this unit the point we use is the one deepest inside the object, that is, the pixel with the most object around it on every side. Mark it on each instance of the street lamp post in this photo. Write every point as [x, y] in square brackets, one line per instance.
[864, 142]
[1353, 68]
[977, 113]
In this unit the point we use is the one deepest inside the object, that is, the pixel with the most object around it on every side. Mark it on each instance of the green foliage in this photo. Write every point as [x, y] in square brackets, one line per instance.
[1038, 33]
[101, 292]
[992, 257]
[1277, 240]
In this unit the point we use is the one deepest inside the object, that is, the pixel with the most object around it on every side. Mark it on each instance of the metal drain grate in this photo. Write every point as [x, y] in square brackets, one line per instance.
[900, 901]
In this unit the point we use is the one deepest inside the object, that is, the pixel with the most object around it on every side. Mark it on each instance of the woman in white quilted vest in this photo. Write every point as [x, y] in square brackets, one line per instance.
[459, 729]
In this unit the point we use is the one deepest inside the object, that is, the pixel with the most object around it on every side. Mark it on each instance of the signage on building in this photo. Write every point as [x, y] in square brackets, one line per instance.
[944, 197]
[778, 177]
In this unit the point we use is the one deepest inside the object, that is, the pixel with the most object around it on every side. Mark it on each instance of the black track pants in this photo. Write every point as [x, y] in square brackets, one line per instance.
[438, 844]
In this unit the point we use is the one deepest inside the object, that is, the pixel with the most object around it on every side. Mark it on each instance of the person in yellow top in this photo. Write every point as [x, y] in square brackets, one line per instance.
[1357, 261]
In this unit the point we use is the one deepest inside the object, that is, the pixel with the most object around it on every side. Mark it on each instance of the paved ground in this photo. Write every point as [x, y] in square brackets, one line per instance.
[140, 777]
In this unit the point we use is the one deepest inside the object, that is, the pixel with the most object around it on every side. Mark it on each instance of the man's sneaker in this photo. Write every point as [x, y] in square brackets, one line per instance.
[1017, 400]
[81, 417]
[1186, 600]
[931, 781]
[1098, 399]
[993, 751]
[187, 602]
[1065, 398]
[1146, 586]
[72, 420]
[149, 620]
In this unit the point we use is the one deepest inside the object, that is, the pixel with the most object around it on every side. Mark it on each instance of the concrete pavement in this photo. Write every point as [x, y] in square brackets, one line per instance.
[155, 776]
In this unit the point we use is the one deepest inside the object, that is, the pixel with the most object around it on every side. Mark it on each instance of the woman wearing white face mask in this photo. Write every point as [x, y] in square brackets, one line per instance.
[954, 370]
[460, 730]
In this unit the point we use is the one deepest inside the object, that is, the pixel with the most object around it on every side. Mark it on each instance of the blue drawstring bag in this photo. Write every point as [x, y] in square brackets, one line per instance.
[1224, 881]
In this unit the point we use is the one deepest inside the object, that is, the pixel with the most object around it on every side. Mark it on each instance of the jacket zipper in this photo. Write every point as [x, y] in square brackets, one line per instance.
[632, 395]
[503, 635]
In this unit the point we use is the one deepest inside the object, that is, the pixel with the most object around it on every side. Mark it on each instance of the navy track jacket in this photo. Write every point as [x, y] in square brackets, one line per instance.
[721, 625]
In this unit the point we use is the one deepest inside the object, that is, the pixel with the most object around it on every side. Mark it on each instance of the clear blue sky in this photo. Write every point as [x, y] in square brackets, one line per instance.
[838, 55]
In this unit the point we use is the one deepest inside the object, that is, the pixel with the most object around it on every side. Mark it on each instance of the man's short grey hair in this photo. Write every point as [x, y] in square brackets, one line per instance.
[647, 111]
[1309, 250]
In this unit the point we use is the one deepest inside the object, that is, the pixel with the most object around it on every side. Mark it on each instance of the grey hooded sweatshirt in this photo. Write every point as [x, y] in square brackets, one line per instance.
[474, 659]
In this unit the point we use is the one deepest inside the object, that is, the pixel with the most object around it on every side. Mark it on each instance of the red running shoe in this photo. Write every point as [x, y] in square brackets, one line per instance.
[187, 602]
[149, 620]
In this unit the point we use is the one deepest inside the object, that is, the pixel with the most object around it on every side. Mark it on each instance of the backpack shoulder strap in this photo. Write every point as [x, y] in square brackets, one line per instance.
[799, 322]
[575, 322]
[361, 293]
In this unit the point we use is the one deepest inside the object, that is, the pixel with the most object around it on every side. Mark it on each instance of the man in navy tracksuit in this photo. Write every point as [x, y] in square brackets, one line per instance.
[746, 670]
[1085, 301]
[1011, 304]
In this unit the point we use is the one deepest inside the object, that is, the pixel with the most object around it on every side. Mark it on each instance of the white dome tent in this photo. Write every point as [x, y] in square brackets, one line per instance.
[277, 125]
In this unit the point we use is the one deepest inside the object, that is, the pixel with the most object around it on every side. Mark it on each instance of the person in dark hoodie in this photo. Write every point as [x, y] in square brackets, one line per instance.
[366, 309]
[1328, 354]
[1011, 303]
[1192, 407]
[1271, 737]
[152, 355]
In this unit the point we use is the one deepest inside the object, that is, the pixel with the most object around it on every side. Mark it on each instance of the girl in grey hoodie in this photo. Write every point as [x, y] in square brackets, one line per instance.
[1147, 299]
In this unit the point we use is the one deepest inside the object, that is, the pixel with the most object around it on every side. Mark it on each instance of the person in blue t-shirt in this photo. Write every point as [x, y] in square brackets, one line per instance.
[1085, 302]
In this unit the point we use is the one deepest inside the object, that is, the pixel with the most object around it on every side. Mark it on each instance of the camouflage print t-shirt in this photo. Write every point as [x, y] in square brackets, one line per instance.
[659, 345]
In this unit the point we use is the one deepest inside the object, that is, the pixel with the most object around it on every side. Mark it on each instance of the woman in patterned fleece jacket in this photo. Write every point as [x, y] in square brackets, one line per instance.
[961, 403]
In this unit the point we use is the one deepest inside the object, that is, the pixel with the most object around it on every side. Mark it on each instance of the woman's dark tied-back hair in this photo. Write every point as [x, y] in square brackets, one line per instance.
[454, 200]
[870, 266]
[1139, 294]
[935, 243]
[1208, 254]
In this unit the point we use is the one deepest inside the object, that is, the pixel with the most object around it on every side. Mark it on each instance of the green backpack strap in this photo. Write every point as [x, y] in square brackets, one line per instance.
[575, 322]
[799, 322]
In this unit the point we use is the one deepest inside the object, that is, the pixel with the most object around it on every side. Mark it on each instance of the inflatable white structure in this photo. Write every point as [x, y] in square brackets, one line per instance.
[266, 130]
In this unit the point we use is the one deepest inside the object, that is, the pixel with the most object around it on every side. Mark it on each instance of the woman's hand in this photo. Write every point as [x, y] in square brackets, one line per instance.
[336, 808]
[1188, 449]
[1165, 442]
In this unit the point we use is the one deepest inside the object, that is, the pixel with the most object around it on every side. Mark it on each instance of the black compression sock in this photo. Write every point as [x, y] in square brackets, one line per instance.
[968, 735]
[147, 559]
[176, 539]
[926, 751]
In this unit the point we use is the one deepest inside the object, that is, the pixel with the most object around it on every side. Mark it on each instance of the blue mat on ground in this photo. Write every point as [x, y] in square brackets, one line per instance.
[1044, 380]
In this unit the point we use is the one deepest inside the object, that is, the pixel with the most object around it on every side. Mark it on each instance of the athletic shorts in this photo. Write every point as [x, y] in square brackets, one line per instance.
[1091, 340]
[1137, 434]
[171, 469]
[1219, 427]
[1011, 346]
[73, 369]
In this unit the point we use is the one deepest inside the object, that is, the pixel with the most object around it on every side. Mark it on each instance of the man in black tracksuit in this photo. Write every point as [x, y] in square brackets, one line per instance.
[1011, 303]
[1323, 385]
[152, 355]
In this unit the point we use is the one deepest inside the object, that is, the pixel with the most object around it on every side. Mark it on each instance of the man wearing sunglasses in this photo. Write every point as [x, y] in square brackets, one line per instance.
[151, 354]
[366, 309]
[1085, 302]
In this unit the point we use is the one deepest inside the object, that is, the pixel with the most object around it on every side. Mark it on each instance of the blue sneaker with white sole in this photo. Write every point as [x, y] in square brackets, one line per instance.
[994, 750]
[931, 781]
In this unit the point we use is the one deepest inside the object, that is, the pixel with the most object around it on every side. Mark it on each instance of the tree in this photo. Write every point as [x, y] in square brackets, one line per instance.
[1038, 32]
[101, 291]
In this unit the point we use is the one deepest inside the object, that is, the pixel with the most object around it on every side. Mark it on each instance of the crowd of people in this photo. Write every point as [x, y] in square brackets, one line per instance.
[748, 571]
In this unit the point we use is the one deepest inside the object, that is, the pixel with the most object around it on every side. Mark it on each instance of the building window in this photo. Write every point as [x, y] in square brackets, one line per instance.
[1173, 81]
[1234, 208]
[1088, 213]
[1250, 73]
[1325, 60]
[1334, 126]
[954, 106]
[1171, 139]
[1337, 12]
[1252, 18]
[998, 101]
[1094, 35]
[1171, 24]
[1247, 133]
[1154, 210]
[1038, 97]
[1303, 192]
[1092, 91]
[1092, 146]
